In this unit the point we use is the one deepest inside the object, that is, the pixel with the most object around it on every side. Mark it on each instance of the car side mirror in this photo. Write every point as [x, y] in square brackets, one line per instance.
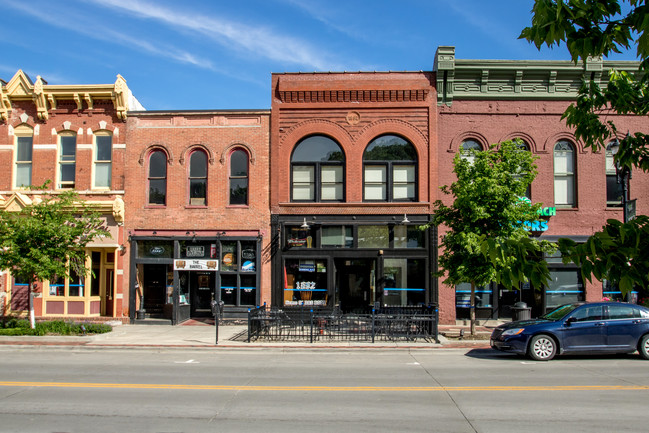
[570, 321]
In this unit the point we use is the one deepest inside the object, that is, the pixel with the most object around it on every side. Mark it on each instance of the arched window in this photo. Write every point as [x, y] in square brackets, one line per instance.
[524, 147]
[564, 174]
[614, 190]
[390, 170]
[468, 149]
[198, 178]
[67, 159]
[103, 156]
[157, 178]
[317, 170]
[23, 154]
[239, 177]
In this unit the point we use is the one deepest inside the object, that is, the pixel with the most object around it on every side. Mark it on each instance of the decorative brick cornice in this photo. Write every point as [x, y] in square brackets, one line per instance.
[367, 89]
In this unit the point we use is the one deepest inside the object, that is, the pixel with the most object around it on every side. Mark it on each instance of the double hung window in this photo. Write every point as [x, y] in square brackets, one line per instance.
[103, 159]
[67, 159]
[317, 170]
[157, 178]
[24, 149]
[390, 170]
[197, 178]
[564, 174]
[239, 177]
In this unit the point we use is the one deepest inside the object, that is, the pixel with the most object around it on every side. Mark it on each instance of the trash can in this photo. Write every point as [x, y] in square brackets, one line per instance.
[520, 311]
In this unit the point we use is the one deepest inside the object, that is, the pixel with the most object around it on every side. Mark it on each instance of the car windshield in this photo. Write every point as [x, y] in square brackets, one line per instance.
[560, 312]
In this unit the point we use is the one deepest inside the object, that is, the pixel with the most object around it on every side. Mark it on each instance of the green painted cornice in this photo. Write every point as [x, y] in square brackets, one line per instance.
[459, 79]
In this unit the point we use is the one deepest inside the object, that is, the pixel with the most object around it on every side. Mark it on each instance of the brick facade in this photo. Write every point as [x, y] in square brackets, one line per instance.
[217, 134]
[45, 113]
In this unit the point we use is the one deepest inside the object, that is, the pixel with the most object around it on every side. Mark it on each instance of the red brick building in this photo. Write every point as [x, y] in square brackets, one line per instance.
[358, 158]
[481, 102]
[73, 136]
[197, 213]
[354, 172]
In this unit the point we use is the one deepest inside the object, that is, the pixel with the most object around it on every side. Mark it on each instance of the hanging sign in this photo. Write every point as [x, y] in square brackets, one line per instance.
[196, 265]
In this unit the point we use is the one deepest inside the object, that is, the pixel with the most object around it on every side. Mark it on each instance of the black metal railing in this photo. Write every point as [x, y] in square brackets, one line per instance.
[306, 324]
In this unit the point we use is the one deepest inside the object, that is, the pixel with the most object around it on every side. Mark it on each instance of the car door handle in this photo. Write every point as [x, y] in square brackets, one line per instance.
[600, 324]
[635, 322]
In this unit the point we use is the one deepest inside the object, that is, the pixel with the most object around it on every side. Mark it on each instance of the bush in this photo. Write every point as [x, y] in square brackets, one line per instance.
[15, 326]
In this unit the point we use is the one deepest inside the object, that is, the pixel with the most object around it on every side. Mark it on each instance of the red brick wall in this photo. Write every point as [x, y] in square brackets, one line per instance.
[539, 123]
[218, 133]
[353, 109]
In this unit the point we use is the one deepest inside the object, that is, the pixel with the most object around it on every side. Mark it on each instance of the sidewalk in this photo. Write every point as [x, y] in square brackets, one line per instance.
[230, 336]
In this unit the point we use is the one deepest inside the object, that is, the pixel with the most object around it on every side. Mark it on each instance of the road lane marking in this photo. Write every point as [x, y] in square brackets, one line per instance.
[326, 388]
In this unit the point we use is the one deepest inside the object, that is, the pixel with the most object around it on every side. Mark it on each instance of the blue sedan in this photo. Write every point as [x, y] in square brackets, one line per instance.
[580, 328]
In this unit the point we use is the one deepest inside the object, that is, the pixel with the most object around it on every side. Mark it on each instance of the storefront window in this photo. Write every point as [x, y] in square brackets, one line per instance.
[305, 282]
[408, 237]
[198, 250]
[74, 286]
[95, 257]
[337, 236]
[229, 256]
[483, 296]
[248, 289]
[373, 236]
[238, 273]
[155, 249]
[248, 256]
[612, 292]
[404, 282]
[299, 237]
[564, 287]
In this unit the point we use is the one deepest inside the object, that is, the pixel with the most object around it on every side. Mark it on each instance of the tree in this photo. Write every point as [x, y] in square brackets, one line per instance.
[595, 28]
[486, 206]
[46, 239]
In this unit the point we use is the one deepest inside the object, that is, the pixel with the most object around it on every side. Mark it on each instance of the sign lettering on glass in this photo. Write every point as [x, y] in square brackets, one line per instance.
[195, 251]
[305, 285]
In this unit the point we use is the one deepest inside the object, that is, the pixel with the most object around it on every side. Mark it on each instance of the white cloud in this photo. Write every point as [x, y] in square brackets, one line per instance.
[69, 20]
[261, 41]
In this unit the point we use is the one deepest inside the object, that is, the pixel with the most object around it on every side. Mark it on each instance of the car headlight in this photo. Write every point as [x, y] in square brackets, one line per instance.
[512, 331]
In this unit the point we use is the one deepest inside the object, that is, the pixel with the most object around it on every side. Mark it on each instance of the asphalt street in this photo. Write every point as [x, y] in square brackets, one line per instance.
[50, 389]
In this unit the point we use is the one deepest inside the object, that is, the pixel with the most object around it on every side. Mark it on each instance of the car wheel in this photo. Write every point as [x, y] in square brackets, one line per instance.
[643, 347]
[542, 348]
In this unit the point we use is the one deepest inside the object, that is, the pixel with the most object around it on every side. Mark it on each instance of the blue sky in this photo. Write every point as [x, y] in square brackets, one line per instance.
[220, 54]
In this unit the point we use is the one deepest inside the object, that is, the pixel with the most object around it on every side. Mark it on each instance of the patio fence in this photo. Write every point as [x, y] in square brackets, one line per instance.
[317, 325]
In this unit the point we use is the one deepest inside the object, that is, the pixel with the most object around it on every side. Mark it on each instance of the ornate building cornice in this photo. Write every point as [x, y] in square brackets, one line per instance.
[45, 97]
[517, 79]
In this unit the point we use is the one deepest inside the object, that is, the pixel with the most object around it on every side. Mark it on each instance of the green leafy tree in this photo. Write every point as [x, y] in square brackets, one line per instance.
[596, 28]
[486, 208]
[46, 239]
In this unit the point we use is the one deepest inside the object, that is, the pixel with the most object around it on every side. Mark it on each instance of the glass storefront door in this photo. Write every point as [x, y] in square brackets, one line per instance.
[197, 289]
[355, 284]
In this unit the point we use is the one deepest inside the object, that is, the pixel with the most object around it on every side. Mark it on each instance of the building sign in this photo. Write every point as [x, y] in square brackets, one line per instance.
[307, 266]
[538, 225]
[157, 251]
[196, 265]
[195, 251]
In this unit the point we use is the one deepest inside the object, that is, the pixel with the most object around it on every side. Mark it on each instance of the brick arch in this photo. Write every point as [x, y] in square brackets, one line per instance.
[454, 145]
[73, 127]
[316, 127]
[525, 137]
[238, 145]
[397, 127]
[156, 146]
[189, 149]
[98, 126]
[548, 146]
